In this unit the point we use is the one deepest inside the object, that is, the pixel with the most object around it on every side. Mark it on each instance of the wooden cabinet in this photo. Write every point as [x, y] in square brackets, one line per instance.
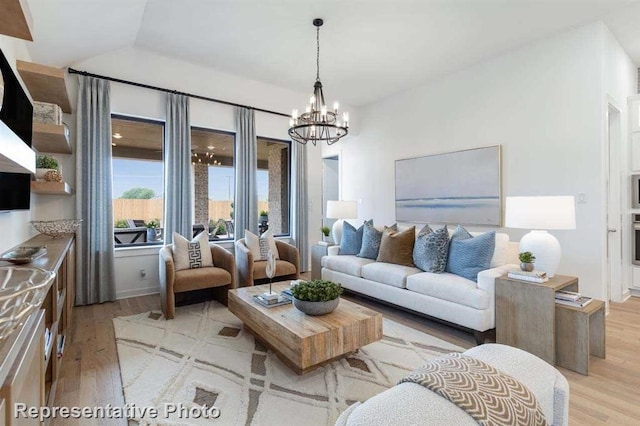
[29, 369]
[22, 385]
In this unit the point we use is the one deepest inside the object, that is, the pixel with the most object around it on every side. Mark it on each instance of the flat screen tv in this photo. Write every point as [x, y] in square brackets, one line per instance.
[15, 191]
[16, 112]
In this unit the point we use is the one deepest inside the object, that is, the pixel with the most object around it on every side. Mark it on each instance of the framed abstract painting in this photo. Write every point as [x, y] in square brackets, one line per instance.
[461, 187]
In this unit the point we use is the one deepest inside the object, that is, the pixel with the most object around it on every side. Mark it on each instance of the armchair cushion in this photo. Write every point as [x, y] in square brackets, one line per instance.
[191, 254]
[282, 268]
[261, 245]
[196, 279]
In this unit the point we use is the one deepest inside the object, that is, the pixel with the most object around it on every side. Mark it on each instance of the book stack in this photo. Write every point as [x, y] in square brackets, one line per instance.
[281, 300]
[533, 276]
[325, 243]
[571, 298]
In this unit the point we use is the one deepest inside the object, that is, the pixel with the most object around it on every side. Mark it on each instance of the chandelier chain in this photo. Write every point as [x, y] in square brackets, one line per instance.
[317, 53]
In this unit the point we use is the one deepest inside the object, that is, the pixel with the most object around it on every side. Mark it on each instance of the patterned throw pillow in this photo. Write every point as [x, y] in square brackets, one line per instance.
[260, 246]
[397, 247]
[469, 255]
[431, 249]
[191, 254]
[371, 239]
[351, 238]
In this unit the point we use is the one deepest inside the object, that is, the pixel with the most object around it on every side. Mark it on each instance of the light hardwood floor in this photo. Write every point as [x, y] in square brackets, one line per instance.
[609, 395]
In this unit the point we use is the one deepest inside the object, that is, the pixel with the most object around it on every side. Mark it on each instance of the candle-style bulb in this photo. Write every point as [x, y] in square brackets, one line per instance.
[308, 109]
[294, 113]
[336, 106]
[312, 99]
[291, 122]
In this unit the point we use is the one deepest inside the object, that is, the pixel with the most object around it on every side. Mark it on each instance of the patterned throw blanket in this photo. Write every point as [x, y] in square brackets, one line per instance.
[486, 394]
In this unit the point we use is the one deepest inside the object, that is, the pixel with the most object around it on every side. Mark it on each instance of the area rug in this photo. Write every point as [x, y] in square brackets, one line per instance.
[204, 357]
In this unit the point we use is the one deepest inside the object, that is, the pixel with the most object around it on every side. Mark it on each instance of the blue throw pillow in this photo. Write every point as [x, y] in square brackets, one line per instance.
[351, 239]
[371, 239]
[469, 255]
[431, 249]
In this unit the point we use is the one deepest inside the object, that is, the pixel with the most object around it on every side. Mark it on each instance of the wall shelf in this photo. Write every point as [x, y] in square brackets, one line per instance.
[45, 84]
[50, 188]
[50, 138]
[15, 19]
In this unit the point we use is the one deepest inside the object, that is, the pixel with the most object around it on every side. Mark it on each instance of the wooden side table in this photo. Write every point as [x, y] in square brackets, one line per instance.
[317, 251]
[580, 332]
[525, 314]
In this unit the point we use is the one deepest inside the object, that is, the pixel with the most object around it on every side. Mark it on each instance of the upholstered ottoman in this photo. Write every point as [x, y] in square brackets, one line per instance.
[413, 404]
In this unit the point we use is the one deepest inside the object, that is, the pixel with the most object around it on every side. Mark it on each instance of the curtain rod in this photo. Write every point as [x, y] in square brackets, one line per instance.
[162, 89]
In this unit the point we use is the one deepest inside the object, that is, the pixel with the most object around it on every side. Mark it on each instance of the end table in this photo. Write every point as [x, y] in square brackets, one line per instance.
[317, 251]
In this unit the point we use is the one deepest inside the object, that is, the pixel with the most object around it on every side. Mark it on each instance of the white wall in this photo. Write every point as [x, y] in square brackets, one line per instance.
[542, 103]
[14, 226]
[150, 68]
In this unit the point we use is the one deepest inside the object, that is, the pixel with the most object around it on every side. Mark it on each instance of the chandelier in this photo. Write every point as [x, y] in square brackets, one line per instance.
[318, 123]
[206, 158]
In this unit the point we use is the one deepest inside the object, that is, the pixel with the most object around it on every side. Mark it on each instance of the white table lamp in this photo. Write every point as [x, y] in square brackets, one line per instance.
[540, 214]
[340, 210]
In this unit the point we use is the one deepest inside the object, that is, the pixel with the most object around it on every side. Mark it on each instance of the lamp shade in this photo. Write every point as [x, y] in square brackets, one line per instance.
[342, 209]
[543, 213]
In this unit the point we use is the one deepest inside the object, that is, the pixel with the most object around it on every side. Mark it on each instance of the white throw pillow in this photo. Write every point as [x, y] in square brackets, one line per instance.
[260, 246]
[191, 254]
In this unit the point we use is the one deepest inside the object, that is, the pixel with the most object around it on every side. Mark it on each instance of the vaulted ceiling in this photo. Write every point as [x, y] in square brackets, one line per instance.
[370, 49]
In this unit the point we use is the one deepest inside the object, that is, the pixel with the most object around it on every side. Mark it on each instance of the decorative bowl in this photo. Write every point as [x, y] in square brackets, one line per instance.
[316, 308]
[22, 255]
[22, 291]
[56, 228]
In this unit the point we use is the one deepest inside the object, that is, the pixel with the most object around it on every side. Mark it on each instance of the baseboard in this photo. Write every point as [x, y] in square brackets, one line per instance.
[634, 292]
[145, 291]
[626, 296]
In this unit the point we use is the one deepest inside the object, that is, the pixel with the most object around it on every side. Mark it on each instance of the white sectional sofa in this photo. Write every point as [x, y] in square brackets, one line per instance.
[445, 296]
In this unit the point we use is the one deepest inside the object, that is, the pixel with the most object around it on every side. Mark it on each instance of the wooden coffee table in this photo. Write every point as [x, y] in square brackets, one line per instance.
[306, 342]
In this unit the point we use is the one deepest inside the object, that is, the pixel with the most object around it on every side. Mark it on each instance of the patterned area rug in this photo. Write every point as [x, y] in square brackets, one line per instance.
[204, 357]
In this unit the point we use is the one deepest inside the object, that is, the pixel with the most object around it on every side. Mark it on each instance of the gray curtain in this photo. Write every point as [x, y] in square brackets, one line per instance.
[246, 201]
[300, 204]
[94, 205]
[178, 199]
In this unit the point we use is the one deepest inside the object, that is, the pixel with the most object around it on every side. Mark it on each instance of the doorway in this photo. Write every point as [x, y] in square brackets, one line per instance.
[330, 185]
[614, 204]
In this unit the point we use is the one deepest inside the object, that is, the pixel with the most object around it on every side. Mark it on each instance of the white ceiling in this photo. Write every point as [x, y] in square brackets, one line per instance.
[369, 49]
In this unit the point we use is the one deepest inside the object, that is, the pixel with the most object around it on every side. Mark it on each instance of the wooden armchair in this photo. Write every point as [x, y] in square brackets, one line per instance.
[220, 277]
[252, 272]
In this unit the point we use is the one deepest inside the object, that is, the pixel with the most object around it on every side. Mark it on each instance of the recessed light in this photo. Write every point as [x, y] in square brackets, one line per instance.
[117, 136]
[113, 144]
[210, 147]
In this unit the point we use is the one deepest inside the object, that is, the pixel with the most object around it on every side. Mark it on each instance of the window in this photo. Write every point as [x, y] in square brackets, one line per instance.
[213, 181]
[274, 183]
[137, 179]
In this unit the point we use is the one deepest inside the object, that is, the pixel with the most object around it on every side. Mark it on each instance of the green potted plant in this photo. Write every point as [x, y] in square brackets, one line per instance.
[526, 261]
[316, 297]
[264, 216]
[44, 164]
[152, 229]
[325, 233]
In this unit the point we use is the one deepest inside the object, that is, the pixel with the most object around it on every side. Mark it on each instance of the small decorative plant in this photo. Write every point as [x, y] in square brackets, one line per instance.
[526, 257]
[325, 231]
[46, 162]
[153, 224]
[526, 261]
[316, 291]
[264, 213]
